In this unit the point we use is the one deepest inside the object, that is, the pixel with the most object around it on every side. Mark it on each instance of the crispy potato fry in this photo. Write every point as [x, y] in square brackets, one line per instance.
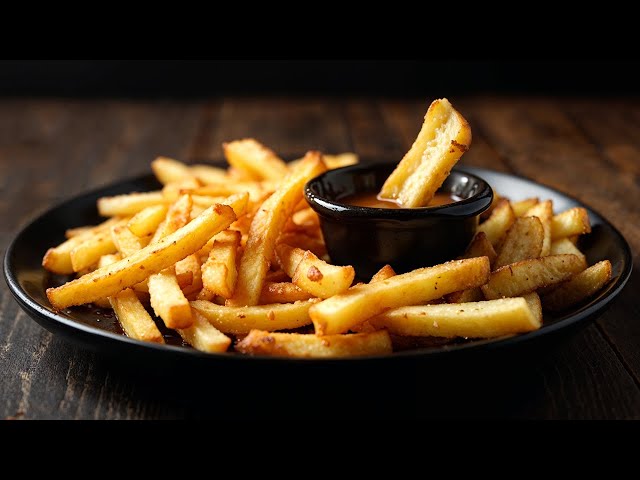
[168, 301]
[203, 336]
[241, 320]
[444, 137]
[313, 275]
[126, 242]
[225, 188]
[341, 312]
[255, 159]
[282, 292]
[521, 207]
[189, 267]
[178, 215]
[385, 272]
[311, 346]
[88, 230]
[146, 221]
[480, 246]
[574, 221]
[89, 252]
[173, 190]
[265, 229]
[208, 174]
[579, 287]
[535, 305]
[304, 242]
[565, 246]
[528, 275]
[306, 217]
[129, 204]
[496, 226]
[219, 272]
[104, 261]
[135, 320]
[485, 319]
[139, 266]
[168, 170]
[544, 212]
[523, 241]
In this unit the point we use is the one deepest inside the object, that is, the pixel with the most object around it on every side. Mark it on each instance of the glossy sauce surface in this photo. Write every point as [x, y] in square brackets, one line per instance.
[372, 200]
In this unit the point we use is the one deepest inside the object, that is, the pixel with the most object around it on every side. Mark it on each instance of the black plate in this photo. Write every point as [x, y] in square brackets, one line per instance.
[28, 280]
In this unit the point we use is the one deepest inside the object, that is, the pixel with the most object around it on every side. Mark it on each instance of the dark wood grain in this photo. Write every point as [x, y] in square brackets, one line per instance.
[54, 149]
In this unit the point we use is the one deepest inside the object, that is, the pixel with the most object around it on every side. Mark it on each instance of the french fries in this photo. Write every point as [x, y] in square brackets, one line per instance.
[444, 137]
[341, 312]
[237, 255]
[265, 228]
[311, 346]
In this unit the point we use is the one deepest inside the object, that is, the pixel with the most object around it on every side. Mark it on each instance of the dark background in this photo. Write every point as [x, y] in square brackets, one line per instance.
[185, 78]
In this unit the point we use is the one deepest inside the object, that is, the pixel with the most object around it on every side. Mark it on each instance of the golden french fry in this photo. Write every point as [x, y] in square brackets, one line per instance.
[385, 272]
[565, 246]
[129, 204]
[168, 301]
[178, 215]
[241, 320]
[579, 287]
[208, 174]
[89, 252]
[219, 272]
[484, 319]
[135, 320]
[311, 346]
[313, 275]
[544, 212]
[282, 292]
[172, 191]
[574, 221]
[154, 258]
[203, 336]
[255, 159]
[480, 246]
[523, 241]
[341, 312]
[189, 267]
[304, 242]
[146, 222]
[265, 229]
[496, 226]
[444, 137]
[535, 305]
[521, 207]
[126, 242]
[88, 230]
[168, 170]
[338, 160]
[529, 275]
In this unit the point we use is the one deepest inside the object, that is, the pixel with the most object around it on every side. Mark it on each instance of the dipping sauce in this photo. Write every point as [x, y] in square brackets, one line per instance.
[371, 200]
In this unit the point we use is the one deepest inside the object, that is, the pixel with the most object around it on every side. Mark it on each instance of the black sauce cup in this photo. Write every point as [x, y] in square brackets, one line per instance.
[408, 238]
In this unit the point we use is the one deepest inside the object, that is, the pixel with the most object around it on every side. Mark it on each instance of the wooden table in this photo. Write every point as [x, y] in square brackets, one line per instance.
[51, 150]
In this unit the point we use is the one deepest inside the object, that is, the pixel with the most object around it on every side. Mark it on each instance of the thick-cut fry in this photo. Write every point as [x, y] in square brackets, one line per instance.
[168, 301]
[168, 170]
[241, 320]
[139, 266]
[189, 267]
[444, 137]
[172, 191]
[480, 246]
[282, 292]
[129, 204]
[485, 319]
[208, 174]
[523, 241]
[219, 272]
[579, 287]
[544, 212]
[496, 226]
[528, 275]
[104, 261]
[265, 229]
[203, 336]
[341, 312]
[178, 216]
[225, 188]
[146, 221]
[254, 158]
[74, 232]
[311, 346]
[565, 246]
[313, 275]
[574, 221]
[126, 242]
[385, 272]
[89, 252]
[535, 305]
[521, 207]
[135, 320]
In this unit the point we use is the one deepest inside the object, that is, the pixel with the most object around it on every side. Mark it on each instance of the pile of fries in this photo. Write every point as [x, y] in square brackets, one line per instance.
[234, 259]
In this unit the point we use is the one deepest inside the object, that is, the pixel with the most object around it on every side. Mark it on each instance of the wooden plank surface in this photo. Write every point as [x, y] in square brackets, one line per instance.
[54, 149]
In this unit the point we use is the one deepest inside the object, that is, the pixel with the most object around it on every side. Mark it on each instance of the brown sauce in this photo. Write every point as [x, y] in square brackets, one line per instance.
[372, 200]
